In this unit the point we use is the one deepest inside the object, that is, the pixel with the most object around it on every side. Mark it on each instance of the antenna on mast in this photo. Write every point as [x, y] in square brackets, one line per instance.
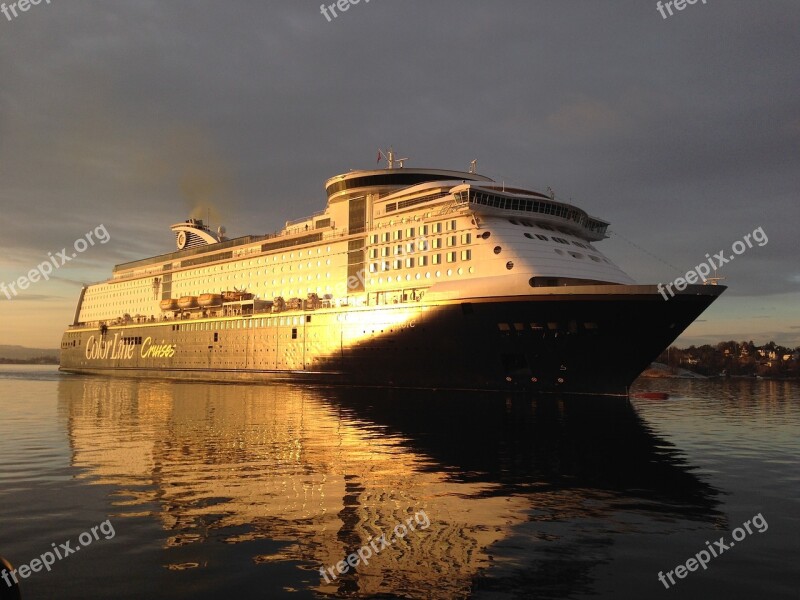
[473, 166]
[390, 159]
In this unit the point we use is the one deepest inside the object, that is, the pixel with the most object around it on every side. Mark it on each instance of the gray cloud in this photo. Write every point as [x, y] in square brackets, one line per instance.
[682, 132]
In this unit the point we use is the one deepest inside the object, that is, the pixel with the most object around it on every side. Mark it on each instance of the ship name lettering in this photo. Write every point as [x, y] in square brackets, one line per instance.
[103, 349]
[151, 350]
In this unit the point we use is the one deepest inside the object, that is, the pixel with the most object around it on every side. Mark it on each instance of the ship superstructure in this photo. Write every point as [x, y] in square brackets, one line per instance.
[415, 277]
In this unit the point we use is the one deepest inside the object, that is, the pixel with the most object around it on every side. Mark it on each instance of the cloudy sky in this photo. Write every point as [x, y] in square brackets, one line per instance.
[682, 132]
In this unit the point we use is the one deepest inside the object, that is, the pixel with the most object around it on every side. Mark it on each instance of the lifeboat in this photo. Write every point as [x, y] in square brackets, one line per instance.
[209, 300]
[168, 304]
[187, 302]
[236, 296]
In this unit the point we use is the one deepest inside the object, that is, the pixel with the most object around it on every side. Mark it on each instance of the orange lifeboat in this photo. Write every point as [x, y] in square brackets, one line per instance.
[187, 302]
[168, 304]
[209, 300]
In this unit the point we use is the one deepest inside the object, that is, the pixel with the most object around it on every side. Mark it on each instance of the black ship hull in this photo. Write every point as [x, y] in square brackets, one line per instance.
[589, 340]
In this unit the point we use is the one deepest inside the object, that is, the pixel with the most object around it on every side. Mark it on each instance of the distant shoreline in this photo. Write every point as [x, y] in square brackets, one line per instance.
[45, 360]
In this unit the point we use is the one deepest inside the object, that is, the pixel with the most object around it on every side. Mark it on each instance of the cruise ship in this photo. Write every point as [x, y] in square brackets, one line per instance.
[418, 278]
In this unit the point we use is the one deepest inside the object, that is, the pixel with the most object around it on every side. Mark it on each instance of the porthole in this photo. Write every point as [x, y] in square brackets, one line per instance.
[510, 265]
[485, 235]
[497, 249]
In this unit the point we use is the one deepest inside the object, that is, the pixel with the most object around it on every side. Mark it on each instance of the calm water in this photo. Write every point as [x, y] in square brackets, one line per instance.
[216, 491]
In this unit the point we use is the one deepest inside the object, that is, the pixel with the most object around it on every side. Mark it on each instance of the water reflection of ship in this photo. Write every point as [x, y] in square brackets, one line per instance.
[326, 470]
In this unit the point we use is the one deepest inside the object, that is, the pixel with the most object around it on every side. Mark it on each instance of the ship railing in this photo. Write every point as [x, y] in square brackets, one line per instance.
[304, 219]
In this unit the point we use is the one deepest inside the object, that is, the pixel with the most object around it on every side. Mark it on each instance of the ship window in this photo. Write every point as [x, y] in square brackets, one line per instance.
[398, 263]
[410, 247]
[409, 263]
[398, 234]
[308, 318]
[510, 265]
[385, 236]
[423, 230]
[542, 237]
[451, 241]
[437, 243]
[294, 333]
[497, 249]
[437, 227]
[595, 258]
[466, 255]
[398, 249]
[559, 251]
[466, 238]
[451, 257]
[504, 327]
[385, 251]
[485, 235]
[528, 235]
[436, 259]
[576, 255]
[216, 337]
[373, 239]
[422, 261]
[410, 232]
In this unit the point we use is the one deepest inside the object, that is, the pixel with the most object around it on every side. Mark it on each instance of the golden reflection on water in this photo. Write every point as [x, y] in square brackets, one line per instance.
[248, 462]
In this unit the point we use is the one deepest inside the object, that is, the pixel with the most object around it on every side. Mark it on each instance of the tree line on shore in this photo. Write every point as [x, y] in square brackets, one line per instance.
[736, 359]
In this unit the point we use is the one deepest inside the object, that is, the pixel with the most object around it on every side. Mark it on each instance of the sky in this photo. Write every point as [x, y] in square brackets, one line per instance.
[683, 132]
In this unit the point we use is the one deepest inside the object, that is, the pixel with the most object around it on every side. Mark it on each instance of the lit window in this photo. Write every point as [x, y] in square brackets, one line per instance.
[466, 255]
[437, 243]
[409, 263]
[451, 241]
[436, 259]
[422, 261]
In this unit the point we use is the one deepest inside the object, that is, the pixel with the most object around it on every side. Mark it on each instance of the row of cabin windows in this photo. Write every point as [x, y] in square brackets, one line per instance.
[411, 232]
[420, 261]
[421, 245]
[248, 323]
